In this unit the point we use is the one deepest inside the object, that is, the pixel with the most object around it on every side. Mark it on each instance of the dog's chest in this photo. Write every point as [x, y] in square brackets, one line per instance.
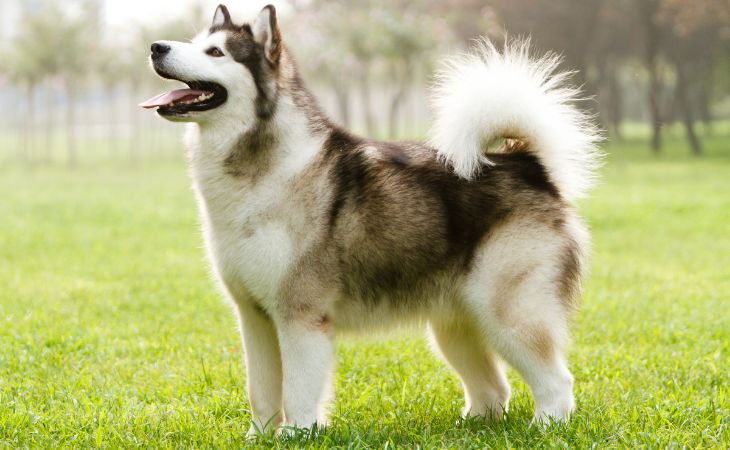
[251, 248]
[247, 230]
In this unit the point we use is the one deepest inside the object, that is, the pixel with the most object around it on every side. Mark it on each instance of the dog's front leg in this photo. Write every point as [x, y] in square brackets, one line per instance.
[263, 368]
[307, 353]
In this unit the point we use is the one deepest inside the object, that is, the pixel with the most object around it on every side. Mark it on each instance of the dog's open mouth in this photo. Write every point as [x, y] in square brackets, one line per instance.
[201, 96]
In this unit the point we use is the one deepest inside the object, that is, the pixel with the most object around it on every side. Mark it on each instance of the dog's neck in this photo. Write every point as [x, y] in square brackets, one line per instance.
[296, 115]
[249, 149]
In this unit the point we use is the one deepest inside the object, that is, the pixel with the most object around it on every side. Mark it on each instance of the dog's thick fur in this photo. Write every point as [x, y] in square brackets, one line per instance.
[312, 230]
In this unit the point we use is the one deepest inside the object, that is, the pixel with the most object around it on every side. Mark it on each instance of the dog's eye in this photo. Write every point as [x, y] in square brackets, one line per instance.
[214, 52]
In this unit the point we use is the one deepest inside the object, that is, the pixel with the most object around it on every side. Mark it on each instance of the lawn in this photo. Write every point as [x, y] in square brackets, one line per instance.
[112, 334]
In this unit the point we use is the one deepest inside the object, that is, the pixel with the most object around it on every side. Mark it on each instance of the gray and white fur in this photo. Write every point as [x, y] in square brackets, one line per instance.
[312, 230]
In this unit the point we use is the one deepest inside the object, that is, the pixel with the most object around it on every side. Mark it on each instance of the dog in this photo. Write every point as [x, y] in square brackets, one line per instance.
[312, 230]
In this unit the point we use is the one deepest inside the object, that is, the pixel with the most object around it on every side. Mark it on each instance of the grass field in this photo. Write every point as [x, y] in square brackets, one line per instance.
[112, 334]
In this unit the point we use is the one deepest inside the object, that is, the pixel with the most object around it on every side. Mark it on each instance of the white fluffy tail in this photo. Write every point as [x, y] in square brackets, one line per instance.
[487, 95]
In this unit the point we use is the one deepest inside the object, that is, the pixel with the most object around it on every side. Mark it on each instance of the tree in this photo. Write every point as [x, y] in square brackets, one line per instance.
[677, 42]
[328, 57]
[689, 28]
[647, 12]
[53, 43]
[73, 59]
[405, 42]
[352, 45]
[30, 62]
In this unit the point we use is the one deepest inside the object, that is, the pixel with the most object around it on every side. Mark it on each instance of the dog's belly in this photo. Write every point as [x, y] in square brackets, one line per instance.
[353, 317]
[393, 310]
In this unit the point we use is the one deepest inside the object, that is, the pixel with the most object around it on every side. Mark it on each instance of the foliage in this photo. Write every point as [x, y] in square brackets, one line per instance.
[679, 43]
[52, 43]
[662, 60]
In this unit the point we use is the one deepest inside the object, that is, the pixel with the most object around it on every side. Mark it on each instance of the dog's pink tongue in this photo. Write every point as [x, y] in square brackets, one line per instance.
[173, 96]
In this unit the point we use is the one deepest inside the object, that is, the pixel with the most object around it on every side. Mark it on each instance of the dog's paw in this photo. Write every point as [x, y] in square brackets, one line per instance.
[554, 416]
[292, 431]
[255, 432]
[492, 413]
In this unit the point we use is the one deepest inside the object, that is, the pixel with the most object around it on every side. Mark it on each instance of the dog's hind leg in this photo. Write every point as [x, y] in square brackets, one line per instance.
[263, 368]
[527, 326]
[486, 389]
[521, 290]
[532, 349]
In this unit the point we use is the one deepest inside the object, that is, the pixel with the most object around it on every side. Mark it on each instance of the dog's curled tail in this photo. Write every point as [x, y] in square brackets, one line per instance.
[487, 95]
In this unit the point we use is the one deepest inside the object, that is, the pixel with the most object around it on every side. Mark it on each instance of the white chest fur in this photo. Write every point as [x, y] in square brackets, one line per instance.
[245, 228]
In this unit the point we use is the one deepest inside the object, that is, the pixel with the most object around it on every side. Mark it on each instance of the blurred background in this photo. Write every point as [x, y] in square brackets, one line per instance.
[72, 72]
[112, 333]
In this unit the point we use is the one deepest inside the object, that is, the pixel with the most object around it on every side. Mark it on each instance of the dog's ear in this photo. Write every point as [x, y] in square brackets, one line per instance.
[266, 32]
[221, 16]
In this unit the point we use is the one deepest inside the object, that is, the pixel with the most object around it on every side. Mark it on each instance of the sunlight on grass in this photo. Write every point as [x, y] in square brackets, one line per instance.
[113, 335]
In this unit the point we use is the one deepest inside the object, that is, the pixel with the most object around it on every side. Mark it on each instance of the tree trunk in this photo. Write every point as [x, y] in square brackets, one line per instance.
[48, 125]
[402, 78]
[648, 11]
[686, 112]
[365, 100]
[111, 109]
[71, 142]
[705, 112]
[395, 105]
[27, 151]
[615, 113]
[342, 97]
[704, 96]
[655, 86]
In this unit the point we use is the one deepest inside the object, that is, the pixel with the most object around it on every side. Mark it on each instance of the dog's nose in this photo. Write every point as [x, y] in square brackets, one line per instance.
[159, 49]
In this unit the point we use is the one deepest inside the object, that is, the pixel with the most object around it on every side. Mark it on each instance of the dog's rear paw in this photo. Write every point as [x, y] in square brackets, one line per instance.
[494, 412]
[559, 412]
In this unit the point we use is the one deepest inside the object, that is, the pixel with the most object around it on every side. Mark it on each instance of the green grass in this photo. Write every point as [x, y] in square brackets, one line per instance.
[112, 334]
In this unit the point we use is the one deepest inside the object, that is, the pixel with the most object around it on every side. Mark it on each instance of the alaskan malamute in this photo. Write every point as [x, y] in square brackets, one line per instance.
[313, 230]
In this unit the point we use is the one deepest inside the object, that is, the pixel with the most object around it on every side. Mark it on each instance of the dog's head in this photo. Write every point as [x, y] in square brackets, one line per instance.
[229, 69]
